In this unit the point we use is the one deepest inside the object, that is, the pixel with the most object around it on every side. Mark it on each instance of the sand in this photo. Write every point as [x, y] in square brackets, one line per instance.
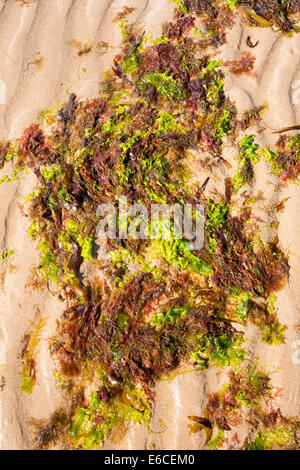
[39, 66]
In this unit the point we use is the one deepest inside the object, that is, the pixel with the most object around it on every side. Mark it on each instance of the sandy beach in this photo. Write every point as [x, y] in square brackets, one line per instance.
[39, 67]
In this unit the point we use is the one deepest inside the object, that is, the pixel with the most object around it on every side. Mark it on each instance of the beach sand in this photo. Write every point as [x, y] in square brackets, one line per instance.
[39, 67]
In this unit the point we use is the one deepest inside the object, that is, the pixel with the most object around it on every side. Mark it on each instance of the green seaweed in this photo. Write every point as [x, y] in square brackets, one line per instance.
[221, 351]
[273, 333]
[165, 84]
[88, 434]
[217, 442]
[172, 316]
[7, 254]
[48, 268]
[216, 214]
[232, 3]
[270, 440]
[243, 306]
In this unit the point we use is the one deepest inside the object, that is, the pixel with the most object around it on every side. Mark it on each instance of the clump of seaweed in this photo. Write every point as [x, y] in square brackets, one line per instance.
[247, 395]
[29, 353]
[150, 305]
[286, 161]
[7, 254]
[244, 64]
[275, 13]
[82, 48]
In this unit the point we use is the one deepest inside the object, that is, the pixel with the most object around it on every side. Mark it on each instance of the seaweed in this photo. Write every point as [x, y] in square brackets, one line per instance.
[29, 353]
[2, 383]
[250, 43]
[92, 424]
[7, 254]
[275, 13]
[273, 333]
[247, 387]
[271, 440]
[164, 84]
[172, 315]
[220, 351]
[151, 304]
[244, 64]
